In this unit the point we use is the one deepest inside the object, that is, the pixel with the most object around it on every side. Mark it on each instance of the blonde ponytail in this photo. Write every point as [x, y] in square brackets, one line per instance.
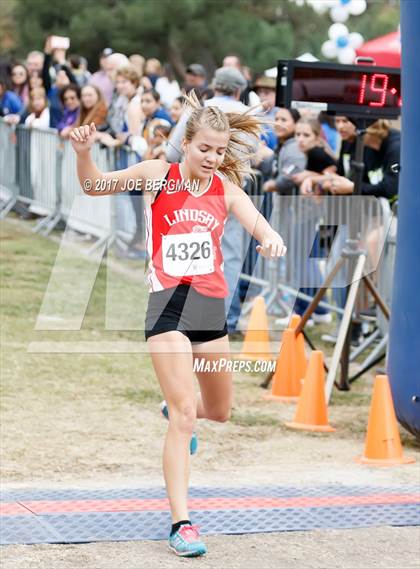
[244, 129]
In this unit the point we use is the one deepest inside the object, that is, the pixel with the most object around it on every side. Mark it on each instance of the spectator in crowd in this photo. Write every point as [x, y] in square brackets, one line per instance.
[10, 104]
[138, 62]
[248, 96]
[381, 165]
[149, 142]
[319, 158]
[118, 106]
[290, 159]
[56, 75]
[34, 62]
[195, 78]
[127, 84]
[381, 160]
[152, 109]
[101, 78]
[329, 131]
[176, 109]
[20, 82]
[35, 80]
[70, 99]
[126, 130]
[265, 88]
[78, 66]
[153, 70]
[39, 116]
[92, 108]
[158, 135]
[167, 86]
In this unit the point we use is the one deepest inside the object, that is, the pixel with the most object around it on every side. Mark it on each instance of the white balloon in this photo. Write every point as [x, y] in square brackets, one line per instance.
[356, 7]
[346, 55]
[329, 49]
[356, 39]
[339, 14]
[337, 30]
[319, 6]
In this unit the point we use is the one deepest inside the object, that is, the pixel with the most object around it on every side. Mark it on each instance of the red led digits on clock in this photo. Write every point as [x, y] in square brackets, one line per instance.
[378, 84]
[382, 89]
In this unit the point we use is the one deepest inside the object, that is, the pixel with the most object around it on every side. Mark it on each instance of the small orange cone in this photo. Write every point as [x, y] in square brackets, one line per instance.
[383, 443]
[300, 347]
[287, 379]
[311, 412]
[257, 340]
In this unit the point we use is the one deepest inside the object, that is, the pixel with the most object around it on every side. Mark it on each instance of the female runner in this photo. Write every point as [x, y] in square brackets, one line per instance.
[185, 216]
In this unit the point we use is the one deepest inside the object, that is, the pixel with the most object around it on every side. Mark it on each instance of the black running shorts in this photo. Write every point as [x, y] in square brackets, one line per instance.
[201, 318]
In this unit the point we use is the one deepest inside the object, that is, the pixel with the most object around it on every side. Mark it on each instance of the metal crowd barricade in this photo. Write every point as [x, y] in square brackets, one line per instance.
[87, 214]
[44, 198]
[315, 232]
[125, 224]
[8, 187]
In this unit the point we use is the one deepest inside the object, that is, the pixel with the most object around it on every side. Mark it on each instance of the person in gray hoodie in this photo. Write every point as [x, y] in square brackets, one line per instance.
[291, 160]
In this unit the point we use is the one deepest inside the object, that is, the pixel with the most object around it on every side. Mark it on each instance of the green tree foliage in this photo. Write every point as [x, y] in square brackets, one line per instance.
[185, 31]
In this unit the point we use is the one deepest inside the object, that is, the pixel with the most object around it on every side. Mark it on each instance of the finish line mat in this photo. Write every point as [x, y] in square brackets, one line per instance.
[81, 516]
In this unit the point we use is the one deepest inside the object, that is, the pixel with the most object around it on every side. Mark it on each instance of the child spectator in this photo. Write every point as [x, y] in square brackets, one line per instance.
[158, 136]
[320, 158]
[39, 116]
[152, 109]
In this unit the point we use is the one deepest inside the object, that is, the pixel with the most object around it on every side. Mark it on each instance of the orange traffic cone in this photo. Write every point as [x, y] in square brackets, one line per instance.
[287, 379]
[383, 443]
[300, 347]
[311, 412]
[257, 340]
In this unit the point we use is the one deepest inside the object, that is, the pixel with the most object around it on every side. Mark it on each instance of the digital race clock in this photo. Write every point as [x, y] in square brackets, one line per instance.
[357, 90]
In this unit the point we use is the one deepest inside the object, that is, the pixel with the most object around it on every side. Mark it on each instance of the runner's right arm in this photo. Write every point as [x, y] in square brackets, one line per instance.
[97, 183]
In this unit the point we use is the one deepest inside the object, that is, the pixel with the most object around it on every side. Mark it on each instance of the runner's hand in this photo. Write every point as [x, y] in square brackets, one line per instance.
[272, 246]
[83, 137]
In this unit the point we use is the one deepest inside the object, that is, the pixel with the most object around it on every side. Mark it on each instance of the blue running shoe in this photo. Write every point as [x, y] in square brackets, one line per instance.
[186, 542]
[194, 441]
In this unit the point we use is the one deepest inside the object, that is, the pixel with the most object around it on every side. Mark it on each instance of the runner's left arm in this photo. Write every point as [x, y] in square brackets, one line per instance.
[240, 204]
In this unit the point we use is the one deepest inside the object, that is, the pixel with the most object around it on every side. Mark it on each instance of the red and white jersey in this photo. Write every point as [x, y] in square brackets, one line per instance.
[183, 233]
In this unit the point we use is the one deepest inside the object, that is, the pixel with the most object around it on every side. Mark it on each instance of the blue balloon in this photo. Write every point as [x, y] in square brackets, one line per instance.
[344, 2]
[342, 41]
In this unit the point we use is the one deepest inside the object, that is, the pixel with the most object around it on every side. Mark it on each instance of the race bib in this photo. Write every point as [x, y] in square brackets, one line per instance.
[188, 254]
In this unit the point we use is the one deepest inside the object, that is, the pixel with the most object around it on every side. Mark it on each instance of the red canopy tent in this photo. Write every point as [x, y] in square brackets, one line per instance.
[385, 50]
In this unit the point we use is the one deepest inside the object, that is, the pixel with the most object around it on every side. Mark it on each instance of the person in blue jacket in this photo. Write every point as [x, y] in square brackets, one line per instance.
[10, 103]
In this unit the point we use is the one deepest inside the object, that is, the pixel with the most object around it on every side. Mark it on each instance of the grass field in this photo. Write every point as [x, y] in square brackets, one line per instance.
[85, 416]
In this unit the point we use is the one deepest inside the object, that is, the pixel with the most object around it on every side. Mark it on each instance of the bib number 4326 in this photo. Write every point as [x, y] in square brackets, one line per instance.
[188, 254]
